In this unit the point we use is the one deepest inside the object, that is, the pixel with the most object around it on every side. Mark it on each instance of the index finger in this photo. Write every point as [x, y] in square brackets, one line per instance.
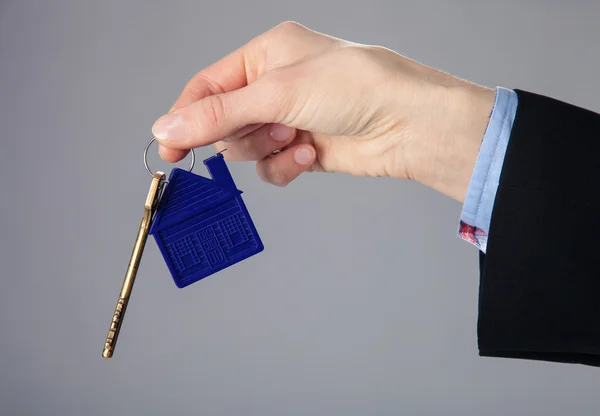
[232, 72]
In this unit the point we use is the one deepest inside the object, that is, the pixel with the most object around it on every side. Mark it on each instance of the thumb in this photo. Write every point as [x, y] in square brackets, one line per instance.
[218, 116]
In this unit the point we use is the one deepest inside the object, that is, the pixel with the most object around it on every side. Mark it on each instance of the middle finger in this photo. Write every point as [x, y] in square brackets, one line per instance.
[258, 144]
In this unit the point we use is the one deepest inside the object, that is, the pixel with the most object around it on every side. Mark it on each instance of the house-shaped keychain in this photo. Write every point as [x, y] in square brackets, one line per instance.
[202, 225]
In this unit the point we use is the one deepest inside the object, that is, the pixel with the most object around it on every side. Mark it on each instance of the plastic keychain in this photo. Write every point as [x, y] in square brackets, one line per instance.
[201, 226]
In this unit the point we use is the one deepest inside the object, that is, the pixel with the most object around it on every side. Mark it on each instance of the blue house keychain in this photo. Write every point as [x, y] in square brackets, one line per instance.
[202, 225]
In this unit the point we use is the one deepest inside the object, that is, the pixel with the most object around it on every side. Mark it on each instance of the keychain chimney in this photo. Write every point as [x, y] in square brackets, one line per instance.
[219, 172]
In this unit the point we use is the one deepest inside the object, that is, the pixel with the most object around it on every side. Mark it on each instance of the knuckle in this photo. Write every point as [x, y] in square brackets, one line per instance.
[269, 174]
[249, 149]
[372, 59]
[277, 81]
[289, 27]
[276, 176]
[356, 54]
[277, 92]
[285, 86]
[201, 83]
[212, 111]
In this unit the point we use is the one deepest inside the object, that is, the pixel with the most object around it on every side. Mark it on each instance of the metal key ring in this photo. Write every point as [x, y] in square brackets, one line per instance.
[146, 158]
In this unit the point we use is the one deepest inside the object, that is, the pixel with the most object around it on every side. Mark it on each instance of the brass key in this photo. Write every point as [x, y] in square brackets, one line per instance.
[152, 200]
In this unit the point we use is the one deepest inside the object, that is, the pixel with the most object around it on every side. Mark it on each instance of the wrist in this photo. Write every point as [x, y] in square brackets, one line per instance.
[450, 149]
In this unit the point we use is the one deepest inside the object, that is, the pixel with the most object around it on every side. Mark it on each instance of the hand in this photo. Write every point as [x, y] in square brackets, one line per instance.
[330, 105]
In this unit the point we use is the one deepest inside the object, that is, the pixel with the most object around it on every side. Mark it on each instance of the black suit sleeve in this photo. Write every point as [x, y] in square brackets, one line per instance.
[539, 295]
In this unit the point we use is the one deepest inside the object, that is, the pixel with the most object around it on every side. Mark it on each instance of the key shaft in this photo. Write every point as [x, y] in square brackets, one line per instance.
[150, 207]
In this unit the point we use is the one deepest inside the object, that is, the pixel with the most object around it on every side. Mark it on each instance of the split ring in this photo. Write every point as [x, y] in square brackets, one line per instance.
[146, 158]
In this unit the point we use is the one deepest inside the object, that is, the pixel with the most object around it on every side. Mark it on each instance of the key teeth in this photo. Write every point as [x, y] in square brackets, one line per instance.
[115, 324]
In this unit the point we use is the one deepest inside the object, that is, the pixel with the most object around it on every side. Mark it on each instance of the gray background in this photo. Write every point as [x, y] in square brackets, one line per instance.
[364, 301]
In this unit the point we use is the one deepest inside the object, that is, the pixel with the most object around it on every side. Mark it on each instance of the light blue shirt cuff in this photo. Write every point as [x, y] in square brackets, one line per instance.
[479, 201]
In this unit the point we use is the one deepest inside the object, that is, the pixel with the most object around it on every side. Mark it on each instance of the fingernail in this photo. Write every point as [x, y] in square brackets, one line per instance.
[170, 127]
[304, 155]
[281, 133]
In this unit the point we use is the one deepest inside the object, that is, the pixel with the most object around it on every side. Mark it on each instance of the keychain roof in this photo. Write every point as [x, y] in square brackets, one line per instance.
[202, 225]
